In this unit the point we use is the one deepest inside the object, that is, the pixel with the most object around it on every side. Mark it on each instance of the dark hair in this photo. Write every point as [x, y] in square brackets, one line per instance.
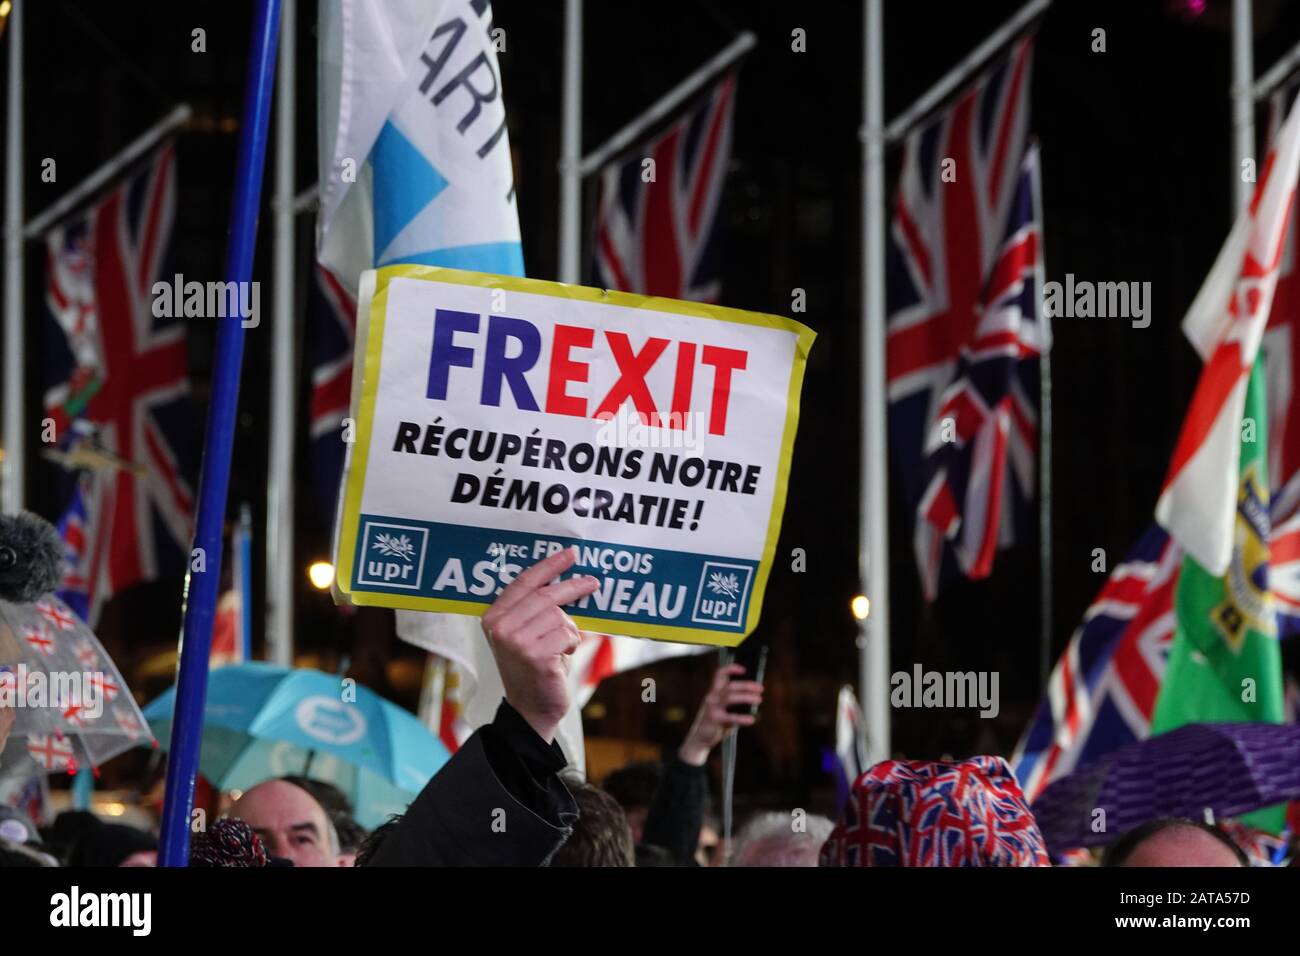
[337, 807]
[635, 784]
[377, 836]
[332, 800]
[649, 855]
[601, 836]
[1117, 853]
[109, 845]
[351, 834]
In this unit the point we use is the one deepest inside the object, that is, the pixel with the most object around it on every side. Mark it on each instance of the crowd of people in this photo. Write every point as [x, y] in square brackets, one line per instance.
[507, 797]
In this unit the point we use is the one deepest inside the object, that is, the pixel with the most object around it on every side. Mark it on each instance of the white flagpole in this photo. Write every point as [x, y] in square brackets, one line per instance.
[571, 146]
[279, 488]
[11, 487]
[79, 193]
[960, 73]
[873, 528]
[1243, 100]
[1278, 73]
[1046, 660]
[683, 91]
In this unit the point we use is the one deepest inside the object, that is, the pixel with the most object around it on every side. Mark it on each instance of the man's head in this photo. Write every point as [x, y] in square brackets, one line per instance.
[1174, 842]
[290, 822]
[601, 836]
[339, 809]
[779, 839]
[634, 787]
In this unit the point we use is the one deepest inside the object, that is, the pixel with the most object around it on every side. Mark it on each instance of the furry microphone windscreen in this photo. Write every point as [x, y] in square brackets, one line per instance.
[31, 557]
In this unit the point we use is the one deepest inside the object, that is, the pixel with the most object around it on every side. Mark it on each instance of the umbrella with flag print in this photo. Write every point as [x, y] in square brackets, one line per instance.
[1227, 769]
[73, 708]
[262, 721]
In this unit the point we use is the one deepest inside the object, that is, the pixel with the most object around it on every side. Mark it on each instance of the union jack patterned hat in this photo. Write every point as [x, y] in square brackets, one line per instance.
[930, 813]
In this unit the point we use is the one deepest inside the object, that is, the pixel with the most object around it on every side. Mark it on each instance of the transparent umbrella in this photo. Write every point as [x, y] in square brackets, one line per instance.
[73, 708]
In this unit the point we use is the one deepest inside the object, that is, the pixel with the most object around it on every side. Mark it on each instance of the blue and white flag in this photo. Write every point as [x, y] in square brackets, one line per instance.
[415, 157]
[415, 167]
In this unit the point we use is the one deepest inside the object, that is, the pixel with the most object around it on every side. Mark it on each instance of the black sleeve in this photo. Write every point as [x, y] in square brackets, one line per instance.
[497, 802]
[674, 819]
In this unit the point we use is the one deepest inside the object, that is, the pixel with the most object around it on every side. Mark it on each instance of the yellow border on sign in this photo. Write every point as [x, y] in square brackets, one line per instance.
[365, 419]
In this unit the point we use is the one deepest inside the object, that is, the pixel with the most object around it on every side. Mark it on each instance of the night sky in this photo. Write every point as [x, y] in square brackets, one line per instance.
[1137, 165]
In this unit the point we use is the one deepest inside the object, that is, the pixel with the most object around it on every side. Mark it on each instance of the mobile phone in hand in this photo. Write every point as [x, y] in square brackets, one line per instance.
[755, 669]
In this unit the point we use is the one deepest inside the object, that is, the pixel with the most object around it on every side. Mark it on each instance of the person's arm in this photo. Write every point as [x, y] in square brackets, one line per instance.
[677, 813]
[499, 800]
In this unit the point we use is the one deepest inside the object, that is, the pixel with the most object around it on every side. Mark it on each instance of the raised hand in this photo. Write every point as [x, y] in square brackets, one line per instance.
[531, 638]
[713, 721]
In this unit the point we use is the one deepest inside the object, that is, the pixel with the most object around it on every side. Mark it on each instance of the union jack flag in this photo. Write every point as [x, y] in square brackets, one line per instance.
[52, 751]
[1103, 690]
[120, 374]
[659, 237]
[74, 591]
[1281, 347]
[965, 329]
[332, 328]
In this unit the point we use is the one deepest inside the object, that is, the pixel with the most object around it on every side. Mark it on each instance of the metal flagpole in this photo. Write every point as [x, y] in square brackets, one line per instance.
[1044, 460]
[1243, 101]
[202, 581]
[74, 197]
[571, 145]
[11, 467]
[873, 527]
[242, 568]
[683, 91]
[958, 75]
[1277, 74]
[279, 487]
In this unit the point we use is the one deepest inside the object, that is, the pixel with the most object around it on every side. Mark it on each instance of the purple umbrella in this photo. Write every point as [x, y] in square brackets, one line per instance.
[1230, 769]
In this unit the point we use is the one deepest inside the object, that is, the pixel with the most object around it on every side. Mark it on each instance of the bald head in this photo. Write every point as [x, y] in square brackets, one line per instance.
[290, 822]
[1175, 843]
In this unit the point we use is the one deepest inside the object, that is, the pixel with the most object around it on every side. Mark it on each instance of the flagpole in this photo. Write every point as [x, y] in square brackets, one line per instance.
[873, 526]
[243, 572]
[1046, 591]
[1281, 71]
[1243, 101]
[74, 197]
[688, 87]
[959, 74]
[202, 581]
[571, 146]
[11, 477]
[280, 487]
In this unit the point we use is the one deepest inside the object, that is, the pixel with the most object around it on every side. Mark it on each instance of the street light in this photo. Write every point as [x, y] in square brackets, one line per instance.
[321, 574]
[860, 606]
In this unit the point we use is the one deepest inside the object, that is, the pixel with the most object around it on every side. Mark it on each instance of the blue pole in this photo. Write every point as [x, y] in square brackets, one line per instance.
[203, 579]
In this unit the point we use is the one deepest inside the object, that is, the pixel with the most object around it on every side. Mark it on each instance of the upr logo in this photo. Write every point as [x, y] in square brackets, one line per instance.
[392, 555]
[722, 593]
[329, 720]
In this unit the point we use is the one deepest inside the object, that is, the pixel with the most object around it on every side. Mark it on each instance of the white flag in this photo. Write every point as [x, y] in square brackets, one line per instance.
[414, 154]
[415, 167]
[1226, 323]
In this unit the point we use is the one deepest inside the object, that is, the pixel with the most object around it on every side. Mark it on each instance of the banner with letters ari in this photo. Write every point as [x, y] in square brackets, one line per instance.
[500, 419]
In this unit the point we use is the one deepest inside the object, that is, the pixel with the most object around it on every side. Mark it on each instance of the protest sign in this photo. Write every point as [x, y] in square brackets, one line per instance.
[500, 419]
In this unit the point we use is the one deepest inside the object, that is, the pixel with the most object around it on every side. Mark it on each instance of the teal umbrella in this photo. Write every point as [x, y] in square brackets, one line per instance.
[262, 721]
